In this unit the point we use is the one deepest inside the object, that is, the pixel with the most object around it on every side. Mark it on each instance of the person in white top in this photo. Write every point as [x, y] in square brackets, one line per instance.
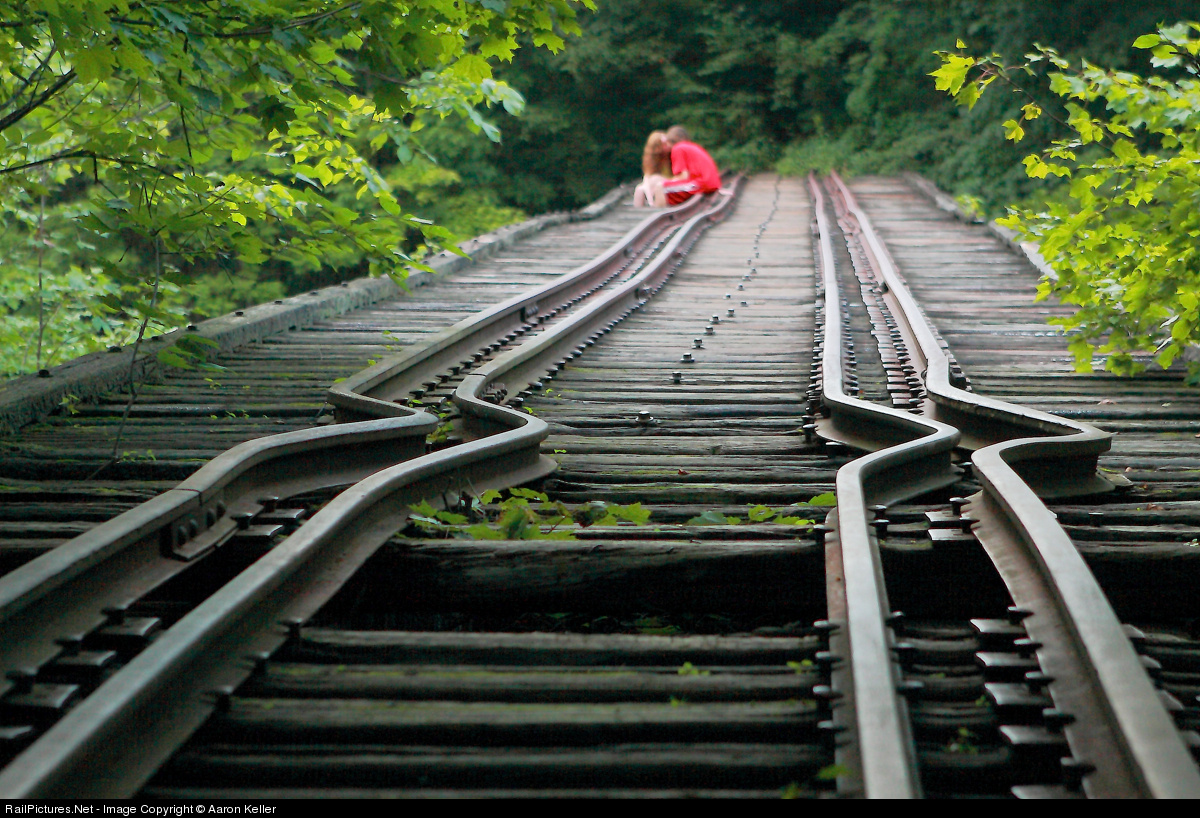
[656, 170]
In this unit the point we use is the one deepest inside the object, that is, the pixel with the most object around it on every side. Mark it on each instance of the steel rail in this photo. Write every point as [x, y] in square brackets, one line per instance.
[157, 700]
[124, 558]
[113, 563]
[913, 457]
[1139, 751]
[376, 391]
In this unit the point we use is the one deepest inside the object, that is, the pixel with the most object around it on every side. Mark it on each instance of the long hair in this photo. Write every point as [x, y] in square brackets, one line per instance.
[656, 156]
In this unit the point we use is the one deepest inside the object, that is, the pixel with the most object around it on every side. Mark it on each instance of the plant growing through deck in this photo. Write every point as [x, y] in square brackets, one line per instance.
[524, 515]
[755, 514]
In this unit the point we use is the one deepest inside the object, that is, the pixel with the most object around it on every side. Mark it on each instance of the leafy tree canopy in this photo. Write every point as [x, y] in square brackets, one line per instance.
[1122, 241]
[166, 135]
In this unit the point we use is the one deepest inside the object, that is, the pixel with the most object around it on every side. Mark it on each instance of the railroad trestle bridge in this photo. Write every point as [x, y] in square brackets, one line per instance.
[819, 507]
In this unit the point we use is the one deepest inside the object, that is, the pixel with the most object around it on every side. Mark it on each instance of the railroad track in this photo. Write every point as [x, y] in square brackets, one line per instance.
[261, 631]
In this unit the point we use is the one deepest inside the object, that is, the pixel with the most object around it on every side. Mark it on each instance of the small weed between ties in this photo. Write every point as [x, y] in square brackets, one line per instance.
[524, 515]
[964, 744]
[824, 776]
[755, 514]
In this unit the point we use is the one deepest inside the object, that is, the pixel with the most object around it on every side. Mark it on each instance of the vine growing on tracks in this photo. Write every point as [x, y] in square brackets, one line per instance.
[1120, 232]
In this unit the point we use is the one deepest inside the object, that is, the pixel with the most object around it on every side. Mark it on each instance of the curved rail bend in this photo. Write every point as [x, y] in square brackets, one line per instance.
[1129, 740]
[118, 561]
[158, 699]
[913, 457]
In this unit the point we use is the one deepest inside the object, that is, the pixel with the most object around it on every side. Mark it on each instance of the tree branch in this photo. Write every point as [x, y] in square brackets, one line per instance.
[303, 21]
[95, 157]
[37, 101]
[27, 81]
[58, 157]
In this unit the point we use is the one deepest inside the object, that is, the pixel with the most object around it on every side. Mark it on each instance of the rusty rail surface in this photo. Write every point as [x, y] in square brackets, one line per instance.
[155, 701]
[1121, 734]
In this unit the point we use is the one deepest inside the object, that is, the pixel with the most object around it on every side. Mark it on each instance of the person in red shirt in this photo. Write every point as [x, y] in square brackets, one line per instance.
[694, 171]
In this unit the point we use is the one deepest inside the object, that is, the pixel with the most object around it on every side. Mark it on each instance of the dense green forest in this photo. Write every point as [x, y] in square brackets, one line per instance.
[780, 84]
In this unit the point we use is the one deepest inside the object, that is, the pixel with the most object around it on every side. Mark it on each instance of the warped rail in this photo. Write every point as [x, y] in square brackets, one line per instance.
[1084, 695]
[1122, 741]
[156, 700]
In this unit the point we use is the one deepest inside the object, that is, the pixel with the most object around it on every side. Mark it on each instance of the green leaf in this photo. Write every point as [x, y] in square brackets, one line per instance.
[758, 514]
[952, 73]
[633, 513]
[712, 518]
[969, 95]
[482, 531]
[94, 64]
[832, 772]
[529, 494]
[1035, 168]
[822, 500]
[785, 520]
[1147, 41]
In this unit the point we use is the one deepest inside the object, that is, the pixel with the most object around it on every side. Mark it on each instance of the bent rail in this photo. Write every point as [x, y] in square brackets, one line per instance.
[137, 551]
[158, 539]
[164, 693]
[913, 457]
[1151, 759]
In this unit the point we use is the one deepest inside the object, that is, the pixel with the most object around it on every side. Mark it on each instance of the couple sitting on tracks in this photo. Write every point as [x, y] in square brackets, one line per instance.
[674, 169]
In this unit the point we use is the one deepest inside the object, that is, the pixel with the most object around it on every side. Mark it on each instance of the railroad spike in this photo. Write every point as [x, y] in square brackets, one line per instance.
[1074, 770]
[1037, 680]
[71, 645]
[293, 627]
[1026, 646]
[826, 658]
[1017, 615]
[222, 698]
[258, 662]
[825, 626]
[22, 679]
[826, 693]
